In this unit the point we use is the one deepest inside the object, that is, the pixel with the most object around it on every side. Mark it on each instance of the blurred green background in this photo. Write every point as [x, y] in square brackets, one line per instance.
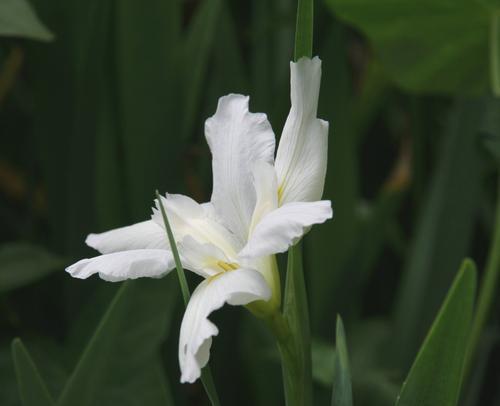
[103, 101]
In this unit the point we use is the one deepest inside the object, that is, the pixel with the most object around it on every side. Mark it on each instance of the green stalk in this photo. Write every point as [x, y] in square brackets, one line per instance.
[304, 29]
[292, 334]
[487, 289]
[206, 373]
[292, 330]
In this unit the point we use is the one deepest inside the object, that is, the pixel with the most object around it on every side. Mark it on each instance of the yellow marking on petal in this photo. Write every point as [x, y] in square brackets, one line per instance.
[210, 279]
[280, 194]
[226, 267]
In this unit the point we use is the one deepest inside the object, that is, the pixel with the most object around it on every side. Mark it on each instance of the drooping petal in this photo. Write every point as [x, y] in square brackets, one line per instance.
[187, 217]
[238, 287]
[237, 138]
[266, 189]
[143, 235]
[283, 227]
[302, 151]
[118, 266]
[202, 258]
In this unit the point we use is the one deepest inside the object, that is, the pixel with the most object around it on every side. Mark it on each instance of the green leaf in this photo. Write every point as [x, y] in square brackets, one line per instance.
[297, 374]
[206, 374]
[23, 263]
[423, 45]
[373, 383]
[342, 390]
[436, 375]
[18, 19]
[32, 389]
[444, 230]
[120, 364]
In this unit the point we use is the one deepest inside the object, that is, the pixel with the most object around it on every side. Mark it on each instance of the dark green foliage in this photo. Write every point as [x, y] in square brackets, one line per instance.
[22, 263]
[427, 46]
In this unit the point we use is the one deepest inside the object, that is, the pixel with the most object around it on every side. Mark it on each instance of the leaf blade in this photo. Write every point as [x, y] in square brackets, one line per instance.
[18, 19]
[436, 375]
[32, 389]
[125, 349]
[342, 388]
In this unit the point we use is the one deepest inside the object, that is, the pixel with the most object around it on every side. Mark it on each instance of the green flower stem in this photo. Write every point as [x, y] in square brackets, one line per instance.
[304, 29]
[487, 288]
[291, 329]
[296, 391]
[206, 373]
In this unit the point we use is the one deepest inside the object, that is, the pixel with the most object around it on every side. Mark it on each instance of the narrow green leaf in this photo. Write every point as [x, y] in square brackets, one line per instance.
[18, 19]
[342, 389]
[297, 373]
[304, 29]
[119, 364]
[206, 373]
[197, 47]
[32, 389]
[436, 375]
[173, 246]
[372, 383]
[23, 263]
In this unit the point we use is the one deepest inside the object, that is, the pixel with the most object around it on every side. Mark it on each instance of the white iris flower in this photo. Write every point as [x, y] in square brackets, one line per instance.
[259, 207]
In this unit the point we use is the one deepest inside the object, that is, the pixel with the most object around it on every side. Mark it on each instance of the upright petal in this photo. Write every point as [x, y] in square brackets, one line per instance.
[302, 151]
[237, 138]
[266, 190]
[283, 227]
[187, 217]
[238, 287]
[118, 266]
[146, 234]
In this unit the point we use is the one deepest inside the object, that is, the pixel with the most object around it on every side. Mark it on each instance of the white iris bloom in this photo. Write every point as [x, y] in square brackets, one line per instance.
[259, 207]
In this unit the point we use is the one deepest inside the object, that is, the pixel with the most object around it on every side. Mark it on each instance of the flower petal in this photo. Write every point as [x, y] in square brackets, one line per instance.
[146, 234]
[302, 151]
[238, 287]
[266, 189]
[118, 266]
[187, 217]
[284, 226]
[237, 138]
